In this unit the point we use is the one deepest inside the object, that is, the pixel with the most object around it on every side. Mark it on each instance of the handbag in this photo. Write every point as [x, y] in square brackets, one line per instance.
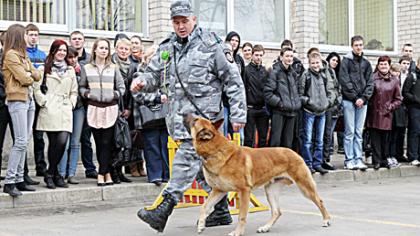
[151, 115]
[122, 140]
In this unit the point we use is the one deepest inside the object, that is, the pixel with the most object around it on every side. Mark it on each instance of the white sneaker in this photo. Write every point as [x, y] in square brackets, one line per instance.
[415, 163]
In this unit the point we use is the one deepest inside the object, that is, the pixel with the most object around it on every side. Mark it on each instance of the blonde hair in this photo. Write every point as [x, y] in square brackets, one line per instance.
[395, 67]
[123, 41]
[95, 45]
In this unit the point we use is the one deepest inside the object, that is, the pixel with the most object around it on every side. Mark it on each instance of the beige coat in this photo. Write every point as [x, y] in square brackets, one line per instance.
[56, 113]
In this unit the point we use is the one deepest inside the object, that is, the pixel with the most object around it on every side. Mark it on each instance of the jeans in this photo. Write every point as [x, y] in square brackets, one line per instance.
[71, 165]
[5, 121]
[22, 115]
[312, 122]
[283, 130]
[330, 123]
[156, 154]
[39, 146]
[413, 140]
[227, 126]
[86, 145]
[257, 119]
[354, 120]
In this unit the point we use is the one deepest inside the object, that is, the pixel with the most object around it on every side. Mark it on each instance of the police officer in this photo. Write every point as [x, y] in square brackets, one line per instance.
[198, 68]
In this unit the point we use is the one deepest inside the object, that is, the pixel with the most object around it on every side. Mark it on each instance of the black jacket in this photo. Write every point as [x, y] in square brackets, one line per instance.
[356, 78]
[296, 65]
[2, 90]
[255, 77]
[281, 91]
[411, 90]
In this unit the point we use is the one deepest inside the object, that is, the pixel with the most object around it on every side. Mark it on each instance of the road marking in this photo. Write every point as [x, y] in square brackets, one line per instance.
[382, 222]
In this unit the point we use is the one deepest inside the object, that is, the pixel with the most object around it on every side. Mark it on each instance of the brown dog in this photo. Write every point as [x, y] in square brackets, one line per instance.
[228, 167]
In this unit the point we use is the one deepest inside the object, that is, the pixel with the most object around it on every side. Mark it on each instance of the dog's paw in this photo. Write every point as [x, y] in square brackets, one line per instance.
[326, 223]
[263, 229]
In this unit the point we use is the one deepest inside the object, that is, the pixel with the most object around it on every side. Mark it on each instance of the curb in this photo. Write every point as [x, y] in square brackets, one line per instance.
[145, 192]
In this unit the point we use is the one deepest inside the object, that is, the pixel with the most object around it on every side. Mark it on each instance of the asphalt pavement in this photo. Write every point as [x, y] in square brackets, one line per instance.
[388, 207]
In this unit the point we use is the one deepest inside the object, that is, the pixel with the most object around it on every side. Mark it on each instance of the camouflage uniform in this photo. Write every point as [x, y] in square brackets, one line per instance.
[206, 69]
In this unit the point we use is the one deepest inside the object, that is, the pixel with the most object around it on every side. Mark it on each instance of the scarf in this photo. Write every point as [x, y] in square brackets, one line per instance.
[123, 65]
[60, 67]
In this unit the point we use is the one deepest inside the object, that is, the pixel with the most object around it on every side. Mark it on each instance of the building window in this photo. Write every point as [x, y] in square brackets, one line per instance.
[374, 19]
[109, 15]
[94, 17]
[37, 11]
[211, 15]
[261, 20]
[257, 21]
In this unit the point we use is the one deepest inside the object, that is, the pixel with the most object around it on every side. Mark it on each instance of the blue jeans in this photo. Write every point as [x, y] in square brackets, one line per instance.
[87, 151]
[78, 119]
[22, 115]
[354, 120]
[312, 122]
[156, 154]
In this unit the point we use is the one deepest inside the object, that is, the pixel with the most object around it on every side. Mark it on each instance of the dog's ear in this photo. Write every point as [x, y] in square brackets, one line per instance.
[218, 123]
[205, 134]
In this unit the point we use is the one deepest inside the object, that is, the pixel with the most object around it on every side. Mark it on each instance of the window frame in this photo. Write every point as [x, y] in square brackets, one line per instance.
[344, 49]
[70, 26]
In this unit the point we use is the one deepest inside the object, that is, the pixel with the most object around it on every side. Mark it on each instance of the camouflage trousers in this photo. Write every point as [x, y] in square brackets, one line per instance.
[186, 167]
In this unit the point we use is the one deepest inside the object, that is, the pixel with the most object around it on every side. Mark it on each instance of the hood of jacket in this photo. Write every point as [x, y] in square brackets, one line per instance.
[229, 36]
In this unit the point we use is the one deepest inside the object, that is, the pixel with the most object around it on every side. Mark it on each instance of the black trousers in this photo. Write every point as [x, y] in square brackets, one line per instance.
[282, 130]
[257, 119]
[104, 140]
[39, 146]
[5, 121]
[56, 148]
[380, 145]
[413, 140]
[396, 148]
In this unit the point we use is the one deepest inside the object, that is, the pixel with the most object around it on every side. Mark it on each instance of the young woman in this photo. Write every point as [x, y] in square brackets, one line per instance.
[57, 101]
[247, 52]
[68, 163]
[101, 85]
[19, 75]
[385, 99]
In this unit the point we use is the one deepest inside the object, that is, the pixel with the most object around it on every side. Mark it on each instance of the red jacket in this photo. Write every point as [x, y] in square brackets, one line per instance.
[385, 99]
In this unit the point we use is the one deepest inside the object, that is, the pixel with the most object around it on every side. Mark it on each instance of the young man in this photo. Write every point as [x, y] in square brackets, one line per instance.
[190, 92]
[281, 95]
[77, 40]
[255, 77]
[407, 50]
[410, 91]
[357, 87]
[37, 58]
[316, 93]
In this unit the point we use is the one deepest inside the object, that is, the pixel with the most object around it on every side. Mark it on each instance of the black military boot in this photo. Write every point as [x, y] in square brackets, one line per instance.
[158, 217]
[11, 190]
[220, 215]
[22, 186]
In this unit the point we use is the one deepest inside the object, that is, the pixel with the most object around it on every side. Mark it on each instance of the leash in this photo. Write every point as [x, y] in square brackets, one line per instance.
[187, 93]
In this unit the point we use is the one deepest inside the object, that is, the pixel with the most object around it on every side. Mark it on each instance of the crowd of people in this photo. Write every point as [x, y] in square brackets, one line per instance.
[70, 94]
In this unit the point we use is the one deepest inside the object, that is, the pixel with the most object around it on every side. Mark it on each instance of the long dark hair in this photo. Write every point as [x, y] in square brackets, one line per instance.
[53, 50]
[337, 68]
[14, 39]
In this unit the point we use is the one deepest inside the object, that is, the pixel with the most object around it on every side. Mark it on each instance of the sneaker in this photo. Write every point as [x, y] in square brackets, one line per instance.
[328, 166]
[415, 163]
[350, 166]
[360, 165]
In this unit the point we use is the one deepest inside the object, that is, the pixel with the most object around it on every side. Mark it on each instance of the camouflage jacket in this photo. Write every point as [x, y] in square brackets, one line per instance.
[206, 69]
